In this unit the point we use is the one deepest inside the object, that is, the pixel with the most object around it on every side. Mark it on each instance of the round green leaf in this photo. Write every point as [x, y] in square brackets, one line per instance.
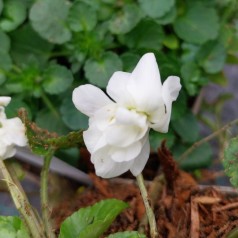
[48, 18]
[57, 79]
[5, 61]
[126, 19]
[171, 42]
[52, 122]
[27, 43]
[92, 221]
[187, 127]
[180, 106]
[198, 25]
[73, 118]
[155, 8]
[12, 227]
[230, 161]
[156, 138]
[201, 157]
[168, 18]
[212, 57]
[5, 42]
[81, 17]
[146, 35]
[129, 61]
[191, 76]
[127, 234]
[14, 13]
[98, 72]
[1, 6]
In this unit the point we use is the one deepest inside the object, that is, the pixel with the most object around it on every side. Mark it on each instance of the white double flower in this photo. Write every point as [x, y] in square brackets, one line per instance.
[119, 126]
[12, 132]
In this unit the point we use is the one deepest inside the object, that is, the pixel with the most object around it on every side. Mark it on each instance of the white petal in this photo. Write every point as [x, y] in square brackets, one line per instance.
[3, 149]
[88, 99]
[128, 128]
[105, 167]
[93, 139]
[170, 91]
[4, 101]
[14, 132]
[127, 153]
[117, 88]
[171, 88]
[130, 117]
[104, 116]
[10, 151]
[145, 84]
[141, 160]
[123, 136]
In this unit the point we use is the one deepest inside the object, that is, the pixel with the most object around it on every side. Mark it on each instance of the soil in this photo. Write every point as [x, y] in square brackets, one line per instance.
[182, 208]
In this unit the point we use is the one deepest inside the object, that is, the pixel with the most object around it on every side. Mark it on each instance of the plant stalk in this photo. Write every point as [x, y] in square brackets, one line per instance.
[148, 209]
[206, 139]
[44, 195]
[22, 204]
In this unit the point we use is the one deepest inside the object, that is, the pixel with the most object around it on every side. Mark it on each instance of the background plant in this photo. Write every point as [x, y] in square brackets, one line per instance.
[50, 46]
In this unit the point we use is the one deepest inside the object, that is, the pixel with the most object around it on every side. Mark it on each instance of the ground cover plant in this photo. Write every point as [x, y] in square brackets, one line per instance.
[50, 49]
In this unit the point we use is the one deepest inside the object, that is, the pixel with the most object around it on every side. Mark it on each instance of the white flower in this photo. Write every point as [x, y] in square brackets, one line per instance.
[117, 137]
[12, 132]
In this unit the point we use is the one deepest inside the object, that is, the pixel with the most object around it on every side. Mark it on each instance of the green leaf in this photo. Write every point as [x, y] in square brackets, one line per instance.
[13, 107]
[81, 17]
[171, 42]
[5, 42]
[5, 59]
[25, 43]
[180, 106]
[48, 18]
[212, 57]
[189, 52]
[57, 79]
[14, 13]
[73, 118]
[98, 72]
[127, 234]
[146, 35]
[126, 19]
[187, 127]
[230, 161]
[155, 8]
[129, 61]
[1, 6]
[191, 76]
[12, 227]
[50, 121]
[201, 157]
[198, 25]
[168, 18]
[219, 78]
[92, 221]
[156, 138]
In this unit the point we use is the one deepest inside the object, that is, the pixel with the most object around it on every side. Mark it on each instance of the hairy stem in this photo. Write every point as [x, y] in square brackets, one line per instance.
[21, 202]
[206, 139]
[44, 195]
[149, 211]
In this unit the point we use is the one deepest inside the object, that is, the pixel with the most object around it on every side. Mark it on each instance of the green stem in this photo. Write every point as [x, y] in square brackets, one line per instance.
[148, 209]
[44, 195]
[22, 204]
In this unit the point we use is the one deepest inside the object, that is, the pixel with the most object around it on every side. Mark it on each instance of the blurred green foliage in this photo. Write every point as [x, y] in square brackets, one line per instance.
[48, 47]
